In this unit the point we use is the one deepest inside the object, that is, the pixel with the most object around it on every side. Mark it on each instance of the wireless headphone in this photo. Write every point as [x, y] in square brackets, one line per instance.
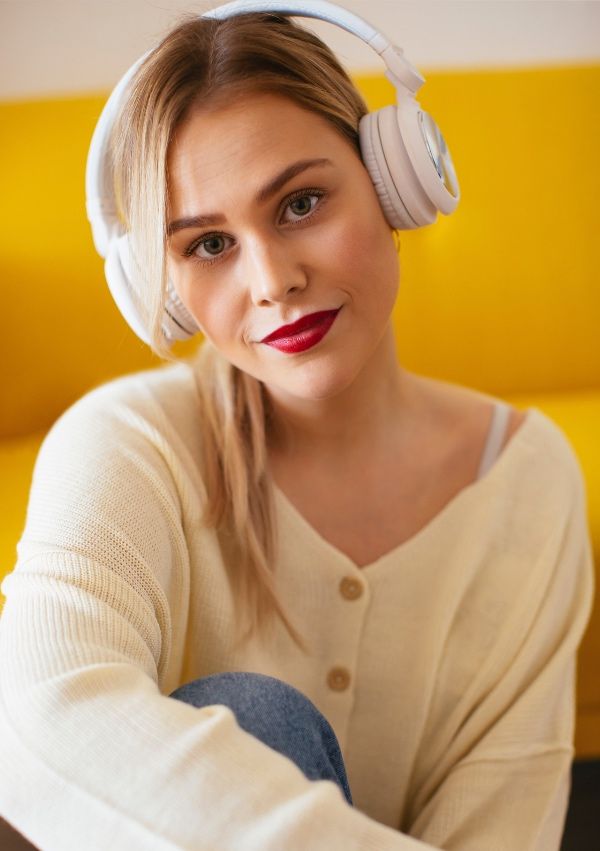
[401, 146]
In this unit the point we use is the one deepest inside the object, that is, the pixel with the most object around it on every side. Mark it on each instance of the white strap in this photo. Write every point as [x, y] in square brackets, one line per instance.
[495, 438]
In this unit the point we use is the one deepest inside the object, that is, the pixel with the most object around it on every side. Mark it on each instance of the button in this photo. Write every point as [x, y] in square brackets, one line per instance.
[351, 588]
[338, 679]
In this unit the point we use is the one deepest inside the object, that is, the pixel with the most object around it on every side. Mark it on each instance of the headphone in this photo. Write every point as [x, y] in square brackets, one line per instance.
[401, 146]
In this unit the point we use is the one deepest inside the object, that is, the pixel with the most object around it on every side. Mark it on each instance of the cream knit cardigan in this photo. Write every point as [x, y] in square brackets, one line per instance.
[458, 653]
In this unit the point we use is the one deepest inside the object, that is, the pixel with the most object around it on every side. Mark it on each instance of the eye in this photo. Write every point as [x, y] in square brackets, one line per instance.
[301, 205]
[209, 247]
[213, 245]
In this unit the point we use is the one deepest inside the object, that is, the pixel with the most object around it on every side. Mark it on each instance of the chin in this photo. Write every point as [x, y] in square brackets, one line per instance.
[316, 382]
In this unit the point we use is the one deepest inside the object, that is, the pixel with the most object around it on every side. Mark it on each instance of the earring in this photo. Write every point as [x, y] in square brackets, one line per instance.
[396, 238]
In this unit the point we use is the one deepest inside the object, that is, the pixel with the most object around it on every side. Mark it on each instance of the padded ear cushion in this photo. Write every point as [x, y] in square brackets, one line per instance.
[373, 158]
[117, 269]
[390, 164]
[178, 324]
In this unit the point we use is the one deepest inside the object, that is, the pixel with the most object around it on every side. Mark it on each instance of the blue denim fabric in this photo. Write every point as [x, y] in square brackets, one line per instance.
[277, 714]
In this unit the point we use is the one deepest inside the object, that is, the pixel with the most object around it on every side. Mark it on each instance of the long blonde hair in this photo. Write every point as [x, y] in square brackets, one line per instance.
[210, 62]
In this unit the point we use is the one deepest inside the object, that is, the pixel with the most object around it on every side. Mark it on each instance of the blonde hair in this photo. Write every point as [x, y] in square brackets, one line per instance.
[209, 62]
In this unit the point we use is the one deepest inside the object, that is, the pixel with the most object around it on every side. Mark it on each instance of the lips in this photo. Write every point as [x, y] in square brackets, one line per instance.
[303, 334]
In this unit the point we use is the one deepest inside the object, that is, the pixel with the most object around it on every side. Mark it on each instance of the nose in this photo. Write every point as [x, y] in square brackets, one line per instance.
[272, 272]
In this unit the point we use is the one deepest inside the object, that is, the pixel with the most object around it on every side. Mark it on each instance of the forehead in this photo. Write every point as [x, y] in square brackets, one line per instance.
[244, 142]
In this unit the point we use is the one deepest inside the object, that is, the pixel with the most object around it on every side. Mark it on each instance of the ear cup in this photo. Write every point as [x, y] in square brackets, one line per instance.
[388, 160]
[117, 270]
[373, 157]
[178, 323]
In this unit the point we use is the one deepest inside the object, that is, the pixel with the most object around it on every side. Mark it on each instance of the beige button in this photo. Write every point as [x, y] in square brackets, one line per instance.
[338, 679]
[351, 588]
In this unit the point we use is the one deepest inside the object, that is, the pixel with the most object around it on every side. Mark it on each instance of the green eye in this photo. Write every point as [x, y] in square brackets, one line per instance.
[301, 206]
[209, 248]
[214, 245]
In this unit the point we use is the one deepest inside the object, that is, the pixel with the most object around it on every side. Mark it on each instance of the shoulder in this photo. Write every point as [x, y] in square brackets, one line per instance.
[535, 451]
[546, 450]
[170, 388]
[536, 484]
[528, 515]
[532, 439]
[135, 433]
[151, 403]
[118, 471]
[534, 505]
[115, 488]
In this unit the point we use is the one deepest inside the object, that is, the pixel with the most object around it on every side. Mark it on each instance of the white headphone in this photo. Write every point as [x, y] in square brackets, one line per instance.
[401, 147]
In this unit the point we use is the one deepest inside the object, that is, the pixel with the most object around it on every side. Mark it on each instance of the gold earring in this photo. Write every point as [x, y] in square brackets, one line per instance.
[396, 237]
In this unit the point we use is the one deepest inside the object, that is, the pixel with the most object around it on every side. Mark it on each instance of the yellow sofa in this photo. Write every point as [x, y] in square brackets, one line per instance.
[502, 296]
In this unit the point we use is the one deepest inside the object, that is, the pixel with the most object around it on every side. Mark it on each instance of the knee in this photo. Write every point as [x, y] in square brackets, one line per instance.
[271, 709]
[277, 714]
[249, 694]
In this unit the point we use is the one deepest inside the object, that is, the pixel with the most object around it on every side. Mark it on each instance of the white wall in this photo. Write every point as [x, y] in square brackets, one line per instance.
[66, 46]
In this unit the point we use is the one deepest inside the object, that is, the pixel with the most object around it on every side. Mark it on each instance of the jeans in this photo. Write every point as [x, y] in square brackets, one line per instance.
[277, 714]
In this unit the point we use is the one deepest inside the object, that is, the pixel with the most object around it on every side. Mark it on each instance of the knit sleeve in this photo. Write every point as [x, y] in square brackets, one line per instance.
[504, 782]
[92, 755]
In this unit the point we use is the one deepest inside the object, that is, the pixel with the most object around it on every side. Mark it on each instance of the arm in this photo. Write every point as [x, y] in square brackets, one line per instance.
[92, 755]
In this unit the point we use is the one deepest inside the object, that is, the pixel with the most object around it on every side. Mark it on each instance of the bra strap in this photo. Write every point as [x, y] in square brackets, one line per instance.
[496, 434]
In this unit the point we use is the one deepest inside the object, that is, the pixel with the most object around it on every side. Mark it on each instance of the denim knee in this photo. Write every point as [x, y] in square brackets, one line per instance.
[277, 714]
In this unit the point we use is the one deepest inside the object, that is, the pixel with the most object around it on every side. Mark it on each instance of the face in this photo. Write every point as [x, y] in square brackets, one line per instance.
[274, 222]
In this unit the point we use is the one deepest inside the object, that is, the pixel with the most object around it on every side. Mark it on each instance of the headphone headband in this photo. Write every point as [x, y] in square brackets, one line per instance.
[401, 72]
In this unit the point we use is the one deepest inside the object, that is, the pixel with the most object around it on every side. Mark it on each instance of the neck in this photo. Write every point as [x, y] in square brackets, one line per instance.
[375, 410]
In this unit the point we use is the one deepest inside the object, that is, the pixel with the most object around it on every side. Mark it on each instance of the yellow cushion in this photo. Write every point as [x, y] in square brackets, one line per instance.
[501, 295]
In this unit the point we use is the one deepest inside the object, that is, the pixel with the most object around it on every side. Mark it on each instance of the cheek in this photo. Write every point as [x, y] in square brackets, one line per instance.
[363, 249]
[215, 307]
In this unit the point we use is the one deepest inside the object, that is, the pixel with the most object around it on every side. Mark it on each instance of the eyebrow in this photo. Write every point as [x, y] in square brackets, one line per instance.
[266, 192]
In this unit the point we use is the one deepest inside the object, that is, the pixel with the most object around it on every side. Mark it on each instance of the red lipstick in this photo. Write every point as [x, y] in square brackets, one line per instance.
[303, 334]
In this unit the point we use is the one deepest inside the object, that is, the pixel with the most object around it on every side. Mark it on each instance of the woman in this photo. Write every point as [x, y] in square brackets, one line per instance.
[288, 594]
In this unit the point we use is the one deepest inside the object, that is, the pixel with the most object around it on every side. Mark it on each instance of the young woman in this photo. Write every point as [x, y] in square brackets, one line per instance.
[286, 594]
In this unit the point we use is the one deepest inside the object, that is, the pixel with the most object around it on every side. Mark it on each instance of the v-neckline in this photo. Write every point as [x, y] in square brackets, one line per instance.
[410, 543]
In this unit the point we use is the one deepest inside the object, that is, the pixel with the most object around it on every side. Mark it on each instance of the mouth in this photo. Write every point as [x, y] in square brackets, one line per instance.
[303, 334]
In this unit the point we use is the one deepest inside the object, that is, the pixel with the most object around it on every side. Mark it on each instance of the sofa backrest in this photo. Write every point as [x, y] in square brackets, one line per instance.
[502, 295]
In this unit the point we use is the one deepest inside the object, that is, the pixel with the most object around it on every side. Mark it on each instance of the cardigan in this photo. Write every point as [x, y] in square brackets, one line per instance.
[448, 674]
